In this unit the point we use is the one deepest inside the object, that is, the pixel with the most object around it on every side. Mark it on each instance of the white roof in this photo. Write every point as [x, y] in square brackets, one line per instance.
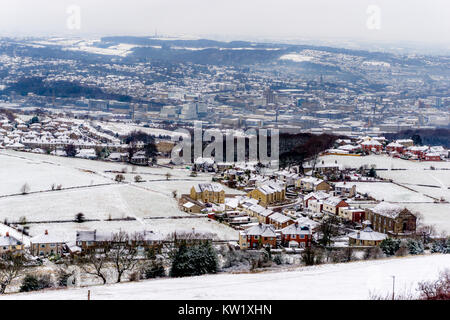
[368, 235]
[333, 201]
[48, 238]
[387, 209]
[212, 187]
[264, 230]
[296, 228]
[279, 217]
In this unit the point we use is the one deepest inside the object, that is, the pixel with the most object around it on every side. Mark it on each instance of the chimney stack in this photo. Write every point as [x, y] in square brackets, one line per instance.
[46, 232]
[7, 234]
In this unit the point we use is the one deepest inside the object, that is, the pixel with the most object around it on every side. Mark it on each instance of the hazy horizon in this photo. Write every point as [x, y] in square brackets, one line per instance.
[375, 21]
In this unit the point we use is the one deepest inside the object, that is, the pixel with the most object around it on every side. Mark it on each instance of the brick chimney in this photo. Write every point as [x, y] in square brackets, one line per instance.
[7, 234]
[46, 232]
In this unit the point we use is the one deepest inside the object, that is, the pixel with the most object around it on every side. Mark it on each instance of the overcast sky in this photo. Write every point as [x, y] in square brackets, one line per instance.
[425, 21]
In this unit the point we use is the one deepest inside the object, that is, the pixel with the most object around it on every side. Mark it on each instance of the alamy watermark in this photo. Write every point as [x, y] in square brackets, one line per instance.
[73, 21]
[260, 146]
[374, 17]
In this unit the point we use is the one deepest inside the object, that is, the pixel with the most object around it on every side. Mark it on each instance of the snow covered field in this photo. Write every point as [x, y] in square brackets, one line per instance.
[382, 162]
[143, 200]
[357, 280]
[123, 129]
[390, 192]
[415, 174]
[40, 175]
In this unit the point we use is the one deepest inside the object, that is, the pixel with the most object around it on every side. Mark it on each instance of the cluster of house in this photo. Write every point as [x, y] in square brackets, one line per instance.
[401, 148]
[53, 134]
[263, 218]
[48, 244]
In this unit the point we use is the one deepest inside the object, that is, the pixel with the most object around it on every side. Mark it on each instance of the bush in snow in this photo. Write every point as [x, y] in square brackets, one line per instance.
[63, 277]
[403, 250]
[193, 259]
[436, 290]
[34, 283]
[342, 255]
[277, 259]
[373, 253]
[441, 246]
[312, 256]
[79, 218]
[415, 246]
[154, 269]
[390, 246]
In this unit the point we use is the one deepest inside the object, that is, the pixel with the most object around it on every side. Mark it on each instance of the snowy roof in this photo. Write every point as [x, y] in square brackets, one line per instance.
[333, 201]
[387, 209]
[100, 235]
[368, 235]
[48, 238]
[320, 195]
[371, 143]
[188, 205]
[279, 217]
[264, 230]
[9, 241]
[296, 228]
[395, 145]
[212, 187]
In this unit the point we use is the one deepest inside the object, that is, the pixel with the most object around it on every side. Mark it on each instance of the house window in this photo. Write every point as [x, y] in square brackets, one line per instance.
[302, 236]
[42, 245]
[52, 245]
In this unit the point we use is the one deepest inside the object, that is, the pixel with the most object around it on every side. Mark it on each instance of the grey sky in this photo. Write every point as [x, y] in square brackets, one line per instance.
[425, 21]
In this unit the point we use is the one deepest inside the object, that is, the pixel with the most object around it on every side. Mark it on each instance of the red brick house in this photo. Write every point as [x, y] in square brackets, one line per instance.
[371, 146]
[258, 236]
[296, 234]
[432, 157]
[395, 147]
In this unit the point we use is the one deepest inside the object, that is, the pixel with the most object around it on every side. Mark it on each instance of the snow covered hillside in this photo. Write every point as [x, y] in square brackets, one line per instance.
[356, 280]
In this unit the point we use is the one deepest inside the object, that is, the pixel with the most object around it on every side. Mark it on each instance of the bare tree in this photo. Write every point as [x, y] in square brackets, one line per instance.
[119, 178]
[426, 233]
[95, 264]
[11, 267]
[123, 252]
[328, 229]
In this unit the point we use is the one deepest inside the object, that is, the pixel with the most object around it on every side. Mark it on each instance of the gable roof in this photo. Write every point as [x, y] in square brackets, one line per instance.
[387, 209]
[263, 230]
[333, 201]
[211, 187]
[279, 217]
[296, 228]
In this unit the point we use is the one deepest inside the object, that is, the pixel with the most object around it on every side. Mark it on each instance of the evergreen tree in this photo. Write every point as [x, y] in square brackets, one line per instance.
[193, 259]
[390, 246]
[415, 246]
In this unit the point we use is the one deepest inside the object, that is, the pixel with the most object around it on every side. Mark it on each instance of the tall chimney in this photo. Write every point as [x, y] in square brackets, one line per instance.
[7, 234]
[46, 232]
